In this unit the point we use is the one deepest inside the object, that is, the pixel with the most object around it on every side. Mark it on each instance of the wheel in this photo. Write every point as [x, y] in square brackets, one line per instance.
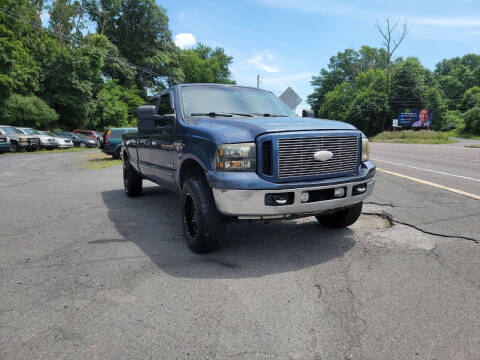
[341, 218]
[132, 181]
[83, 145]
[203, 225]
[13, 147]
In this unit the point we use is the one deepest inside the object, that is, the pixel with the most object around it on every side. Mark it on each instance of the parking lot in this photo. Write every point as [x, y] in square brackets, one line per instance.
[87, 273]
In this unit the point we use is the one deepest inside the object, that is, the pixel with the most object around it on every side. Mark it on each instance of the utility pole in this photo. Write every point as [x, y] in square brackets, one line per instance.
[258, 81]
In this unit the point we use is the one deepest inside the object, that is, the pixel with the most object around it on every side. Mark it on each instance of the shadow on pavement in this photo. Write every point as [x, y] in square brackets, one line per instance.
[152, 221]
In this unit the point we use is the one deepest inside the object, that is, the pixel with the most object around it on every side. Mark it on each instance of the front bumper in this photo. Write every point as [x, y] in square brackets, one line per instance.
[250, 204]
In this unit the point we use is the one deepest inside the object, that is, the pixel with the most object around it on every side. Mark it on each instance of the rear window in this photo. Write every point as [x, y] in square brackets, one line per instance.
[116, 133]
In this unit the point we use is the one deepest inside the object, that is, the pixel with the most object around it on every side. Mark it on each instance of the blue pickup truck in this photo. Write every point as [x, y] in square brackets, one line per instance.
[237, 153]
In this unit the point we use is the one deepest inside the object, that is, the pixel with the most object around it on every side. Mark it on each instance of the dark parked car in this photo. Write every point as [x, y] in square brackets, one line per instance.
[91, 133]
[240, 154]
[79, 139]
[18, 140]
[113, 140]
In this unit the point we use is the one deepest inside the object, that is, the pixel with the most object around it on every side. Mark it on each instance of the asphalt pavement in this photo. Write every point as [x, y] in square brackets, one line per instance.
[456, 166]
[87, 273]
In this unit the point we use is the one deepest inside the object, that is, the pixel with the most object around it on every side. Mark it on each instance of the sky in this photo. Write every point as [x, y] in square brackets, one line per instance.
[286, 42]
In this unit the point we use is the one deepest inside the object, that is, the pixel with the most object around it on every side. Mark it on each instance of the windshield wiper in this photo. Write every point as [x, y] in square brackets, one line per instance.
[214, 114]
[270, 115]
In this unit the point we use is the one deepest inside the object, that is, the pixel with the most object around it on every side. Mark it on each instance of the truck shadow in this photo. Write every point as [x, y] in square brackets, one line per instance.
[152, 221]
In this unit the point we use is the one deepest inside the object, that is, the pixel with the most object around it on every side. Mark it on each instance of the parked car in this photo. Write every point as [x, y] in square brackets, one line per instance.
[62, 143]
[75, 138]
[89, 140]
[4, 144]
[113, 141]
[91, 133]
[237, 153]
[18, 140]
[46, 141]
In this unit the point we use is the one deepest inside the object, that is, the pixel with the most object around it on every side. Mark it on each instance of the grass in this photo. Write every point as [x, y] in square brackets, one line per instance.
[98, 161]
[414, 137]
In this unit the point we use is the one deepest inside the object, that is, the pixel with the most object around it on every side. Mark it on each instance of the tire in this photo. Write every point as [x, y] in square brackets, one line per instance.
[13, 146]
[342, 218]
[83, 145]
[132, 181]
[203, 225]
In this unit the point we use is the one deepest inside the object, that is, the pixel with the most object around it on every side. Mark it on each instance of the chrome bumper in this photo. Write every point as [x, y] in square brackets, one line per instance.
[250, 204]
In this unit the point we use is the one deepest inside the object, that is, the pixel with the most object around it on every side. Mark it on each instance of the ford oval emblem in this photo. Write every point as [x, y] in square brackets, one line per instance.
[323, 155]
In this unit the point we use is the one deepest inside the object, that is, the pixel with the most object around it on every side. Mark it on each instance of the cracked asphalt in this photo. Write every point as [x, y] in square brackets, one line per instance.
[87, 273]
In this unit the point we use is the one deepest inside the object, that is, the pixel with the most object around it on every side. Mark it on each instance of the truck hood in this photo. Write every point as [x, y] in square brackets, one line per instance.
[240, 129]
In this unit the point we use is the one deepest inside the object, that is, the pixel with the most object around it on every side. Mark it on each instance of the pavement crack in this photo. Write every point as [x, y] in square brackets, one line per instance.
[393, 221]
[380, 204]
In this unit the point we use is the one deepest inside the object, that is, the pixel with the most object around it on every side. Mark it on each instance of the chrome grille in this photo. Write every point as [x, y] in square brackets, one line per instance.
[295, 155]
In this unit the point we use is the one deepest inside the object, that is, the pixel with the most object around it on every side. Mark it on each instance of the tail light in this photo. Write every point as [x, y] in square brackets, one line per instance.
[107, 135]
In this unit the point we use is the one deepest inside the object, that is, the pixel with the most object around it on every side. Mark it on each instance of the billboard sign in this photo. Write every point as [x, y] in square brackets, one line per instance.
[415, 118]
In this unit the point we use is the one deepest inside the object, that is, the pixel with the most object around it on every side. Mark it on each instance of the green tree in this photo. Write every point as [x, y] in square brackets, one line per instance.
[472, 120]
[139, 29]
[471, 98]
[111, 110]
[71, 77]
[66, 20]
[206, 65]
[28, 111]
[337, 102]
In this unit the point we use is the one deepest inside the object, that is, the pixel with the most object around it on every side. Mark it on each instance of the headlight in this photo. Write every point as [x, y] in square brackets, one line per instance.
[365, 149]
[236, 157]
[23, 140]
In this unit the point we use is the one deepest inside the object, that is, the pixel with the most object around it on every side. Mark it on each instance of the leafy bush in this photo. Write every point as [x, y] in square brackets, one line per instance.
[472, 120]
[454, 119]
[28, 111]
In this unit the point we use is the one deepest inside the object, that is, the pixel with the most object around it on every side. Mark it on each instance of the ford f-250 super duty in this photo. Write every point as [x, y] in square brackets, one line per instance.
[238, 153]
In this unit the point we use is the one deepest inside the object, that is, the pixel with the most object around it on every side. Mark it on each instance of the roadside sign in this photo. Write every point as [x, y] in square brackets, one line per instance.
[395, 123]
[290, 98]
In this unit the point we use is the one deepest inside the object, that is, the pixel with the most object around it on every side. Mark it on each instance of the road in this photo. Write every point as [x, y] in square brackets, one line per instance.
[454, 165]
[87, 273]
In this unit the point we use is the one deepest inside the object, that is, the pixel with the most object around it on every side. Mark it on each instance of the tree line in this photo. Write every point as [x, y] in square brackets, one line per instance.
[369, 87]
[97, 61]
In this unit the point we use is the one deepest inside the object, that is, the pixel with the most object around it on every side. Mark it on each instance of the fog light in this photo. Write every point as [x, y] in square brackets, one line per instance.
[339, 192]
[360, 188]
[304, 197]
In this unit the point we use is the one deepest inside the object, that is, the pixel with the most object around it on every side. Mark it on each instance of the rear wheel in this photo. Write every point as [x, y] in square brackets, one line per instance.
[203, 225]
[341, 218]
[132, 181]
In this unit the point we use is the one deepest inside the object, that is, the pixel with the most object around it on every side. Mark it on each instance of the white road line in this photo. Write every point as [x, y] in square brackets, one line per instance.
[429, 170]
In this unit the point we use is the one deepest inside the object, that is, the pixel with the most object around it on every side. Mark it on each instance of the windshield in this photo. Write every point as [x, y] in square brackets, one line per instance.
[11, 130]
[32, 132]
[49, 133]
[233, 100]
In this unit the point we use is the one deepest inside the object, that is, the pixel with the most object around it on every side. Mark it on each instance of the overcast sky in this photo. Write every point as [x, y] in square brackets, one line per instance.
[288, 41]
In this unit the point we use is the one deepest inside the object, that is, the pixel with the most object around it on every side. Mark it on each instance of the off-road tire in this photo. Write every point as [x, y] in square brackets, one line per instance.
[203, 225]
[341, 218]
[132, 181]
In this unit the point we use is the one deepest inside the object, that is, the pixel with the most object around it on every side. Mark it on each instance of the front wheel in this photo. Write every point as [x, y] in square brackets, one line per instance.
[83, 145]
[132, 181]
[13, 147]
[341, 218]
[203, 225]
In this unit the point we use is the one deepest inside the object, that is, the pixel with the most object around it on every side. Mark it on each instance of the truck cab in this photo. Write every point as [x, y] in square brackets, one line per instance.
[237, 153]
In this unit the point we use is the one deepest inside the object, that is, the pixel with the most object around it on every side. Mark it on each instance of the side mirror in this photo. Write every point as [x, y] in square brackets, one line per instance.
[307, 113]
[147, 118]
